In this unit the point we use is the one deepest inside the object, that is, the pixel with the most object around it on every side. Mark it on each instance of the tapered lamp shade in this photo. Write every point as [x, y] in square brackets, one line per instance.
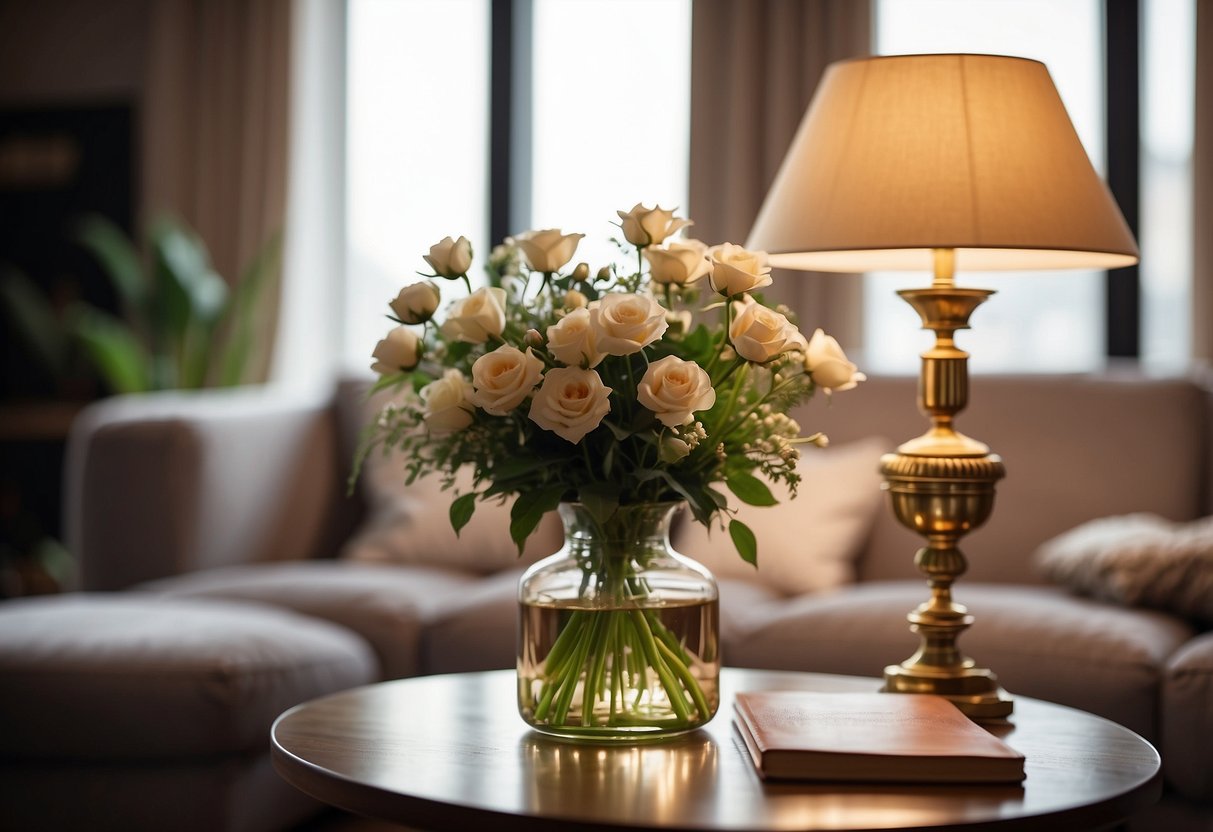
[900, 155]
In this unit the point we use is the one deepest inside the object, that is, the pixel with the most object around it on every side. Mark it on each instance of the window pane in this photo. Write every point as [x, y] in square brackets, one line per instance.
[611, 114]
[1047, 321]
[1169, 64]
[417, 147]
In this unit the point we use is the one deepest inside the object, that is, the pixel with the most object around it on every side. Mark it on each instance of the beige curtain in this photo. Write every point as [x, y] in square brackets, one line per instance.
[754, 67]
[215, 128]
[1202, 190]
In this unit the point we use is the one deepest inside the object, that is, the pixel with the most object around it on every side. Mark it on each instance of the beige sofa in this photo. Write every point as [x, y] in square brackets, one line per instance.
[231, 506]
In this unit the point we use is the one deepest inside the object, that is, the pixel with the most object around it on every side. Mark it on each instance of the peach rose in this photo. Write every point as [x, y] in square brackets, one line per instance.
[503, 378]
[649, 226]
[625, 323]
[478, 317]
[679, 263]
[398, 352]
[416, 303]
[736, 270]
[571, 402]
[760, 334]
[674, 389]
[573, 340]
[450, 258]
[447, 402]
[828, 366]
[547, 250]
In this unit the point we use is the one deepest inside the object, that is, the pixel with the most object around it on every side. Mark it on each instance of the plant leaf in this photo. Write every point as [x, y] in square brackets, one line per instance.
[462, 510]
[118, 256]
[30, 315]
[113, 348]
[749, 489]
[600, 499]
[744, 541]
[529, 509]
[241, 309]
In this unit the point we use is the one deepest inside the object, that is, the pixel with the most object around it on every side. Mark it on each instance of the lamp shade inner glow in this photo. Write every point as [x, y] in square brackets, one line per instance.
[900, 155]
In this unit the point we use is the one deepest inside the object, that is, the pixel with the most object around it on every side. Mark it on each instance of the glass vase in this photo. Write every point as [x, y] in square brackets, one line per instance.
[619, 633]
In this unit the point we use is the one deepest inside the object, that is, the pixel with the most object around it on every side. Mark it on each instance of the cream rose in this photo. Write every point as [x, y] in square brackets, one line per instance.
[416, 303]
[760, 334]
[649, 226]
[450, 258]
[736, 270]
[625, 323]
[679, 262]
[503, 378]
[547, 250]
[571, 402]
[398, 352]
[828, 366]
[573, 340]
[478, 317]
[674, 389]
[447, 402]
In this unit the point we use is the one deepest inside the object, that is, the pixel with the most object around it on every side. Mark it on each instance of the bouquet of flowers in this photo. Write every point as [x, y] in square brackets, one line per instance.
[664, 380]
[600, 387]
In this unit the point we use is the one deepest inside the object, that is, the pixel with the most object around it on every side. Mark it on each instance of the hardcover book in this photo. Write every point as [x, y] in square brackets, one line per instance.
[873, 737]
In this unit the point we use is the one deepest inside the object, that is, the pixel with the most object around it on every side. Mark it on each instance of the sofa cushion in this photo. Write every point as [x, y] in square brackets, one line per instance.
[1187, 719]
[120, 677]
[1137, 559]
[807, 544]
[386, 605]
[1040, 641]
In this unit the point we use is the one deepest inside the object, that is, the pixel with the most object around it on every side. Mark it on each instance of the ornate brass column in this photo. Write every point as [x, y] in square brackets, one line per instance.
[941, 485]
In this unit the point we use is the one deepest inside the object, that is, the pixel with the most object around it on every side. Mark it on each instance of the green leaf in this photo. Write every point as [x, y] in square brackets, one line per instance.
[600, 499]
[118, 257]
[30, 315]
[749, 489]
[384, 382]
[241, 309]
[529, 509]
[113, 348]
[520, 466]
[462, 510]
[744, 541]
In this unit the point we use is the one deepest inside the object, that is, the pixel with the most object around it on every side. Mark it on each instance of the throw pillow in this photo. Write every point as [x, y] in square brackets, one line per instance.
[808, 544]
[1137, 559]
[410, 524]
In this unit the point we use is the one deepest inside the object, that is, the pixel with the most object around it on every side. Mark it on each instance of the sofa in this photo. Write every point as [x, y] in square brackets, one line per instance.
[220, 526]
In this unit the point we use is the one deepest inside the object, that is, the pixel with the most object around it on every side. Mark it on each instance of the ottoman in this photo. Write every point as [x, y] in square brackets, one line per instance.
[130, 712]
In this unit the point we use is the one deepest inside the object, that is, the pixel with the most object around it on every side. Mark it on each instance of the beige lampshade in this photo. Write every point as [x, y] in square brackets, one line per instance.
[900, 155]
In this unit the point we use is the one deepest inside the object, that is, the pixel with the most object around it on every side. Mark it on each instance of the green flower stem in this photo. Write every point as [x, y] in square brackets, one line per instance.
[680, 669]
[658, 663]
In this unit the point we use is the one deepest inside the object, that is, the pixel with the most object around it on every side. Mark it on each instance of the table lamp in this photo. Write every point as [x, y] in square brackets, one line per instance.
[934, 163]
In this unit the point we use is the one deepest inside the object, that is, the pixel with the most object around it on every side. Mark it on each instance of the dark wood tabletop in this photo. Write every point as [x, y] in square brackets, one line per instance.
[451, 752]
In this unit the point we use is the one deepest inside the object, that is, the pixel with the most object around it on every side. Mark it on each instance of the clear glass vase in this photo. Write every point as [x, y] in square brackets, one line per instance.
[619, 637]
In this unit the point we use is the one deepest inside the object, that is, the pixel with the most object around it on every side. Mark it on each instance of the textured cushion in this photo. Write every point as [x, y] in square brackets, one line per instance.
[1138, 559]
[386, 605]
[1040, 641]
[409, 524]
[125, 677]
[1187, 719]
[807, 544]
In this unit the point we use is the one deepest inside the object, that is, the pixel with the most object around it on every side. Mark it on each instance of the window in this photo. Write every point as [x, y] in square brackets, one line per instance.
[608, 126]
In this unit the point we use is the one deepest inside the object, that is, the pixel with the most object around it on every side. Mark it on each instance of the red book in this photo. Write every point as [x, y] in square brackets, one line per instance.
[872, 737]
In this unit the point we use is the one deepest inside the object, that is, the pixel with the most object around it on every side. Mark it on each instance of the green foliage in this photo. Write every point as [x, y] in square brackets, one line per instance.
[180, 325]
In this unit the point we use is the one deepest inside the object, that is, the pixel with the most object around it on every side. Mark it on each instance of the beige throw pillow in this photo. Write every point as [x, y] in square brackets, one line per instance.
[1136, 559]
[410, 524]
[808, 544]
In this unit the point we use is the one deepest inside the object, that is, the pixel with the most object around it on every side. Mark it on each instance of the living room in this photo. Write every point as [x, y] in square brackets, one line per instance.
[214, 213]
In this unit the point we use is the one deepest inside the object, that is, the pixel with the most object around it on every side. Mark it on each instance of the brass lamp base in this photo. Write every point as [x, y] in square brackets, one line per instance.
[941, 485]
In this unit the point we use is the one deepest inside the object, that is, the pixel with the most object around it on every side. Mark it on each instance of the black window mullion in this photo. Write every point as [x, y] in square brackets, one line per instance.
[1123, 101]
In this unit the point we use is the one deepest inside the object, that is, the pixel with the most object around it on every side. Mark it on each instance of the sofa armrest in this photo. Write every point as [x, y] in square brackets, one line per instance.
[1187, 719]
[165, 483]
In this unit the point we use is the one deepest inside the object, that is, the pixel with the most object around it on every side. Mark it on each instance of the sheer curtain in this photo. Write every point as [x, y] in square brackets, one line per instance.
[754, 67]
[216, 128]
